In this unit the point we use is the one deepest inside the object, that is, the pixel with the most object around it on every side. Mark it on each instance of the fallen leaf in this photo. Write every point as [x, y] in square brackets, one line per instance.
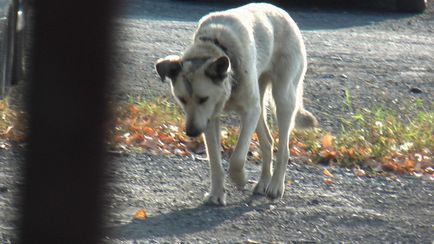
[326, 172]
[181, 137]
[166, 139]
[390, 166]
[328, 181]
[409, 164]
[294, 151]
[133, 109]
[117, 139]
[300, 144]
[326, 141]
[3, 105]
[148, 131]
[135, 138]
[255, 137]
[166, 152]
[351, 152]
[327, 154]
[140, 215]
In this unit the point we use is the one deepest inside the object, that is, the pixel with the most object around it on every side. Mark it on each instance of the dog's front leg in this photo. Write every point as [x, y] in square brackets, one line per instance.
[249, 120]
[217, 193]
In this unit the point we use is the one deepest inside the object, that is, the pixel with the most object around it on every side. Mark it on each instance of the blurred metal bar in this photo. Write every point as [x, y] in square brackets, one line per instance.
[64, 168]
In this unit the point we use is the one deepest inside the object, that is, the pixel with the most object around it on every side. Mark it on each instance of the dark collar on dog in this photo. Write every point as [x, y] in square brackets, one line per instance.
[216, 42]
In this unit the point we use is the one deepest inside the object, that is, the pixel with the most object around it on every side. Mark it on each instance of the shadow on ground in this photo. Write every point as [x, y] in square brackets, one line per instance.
[180, 222]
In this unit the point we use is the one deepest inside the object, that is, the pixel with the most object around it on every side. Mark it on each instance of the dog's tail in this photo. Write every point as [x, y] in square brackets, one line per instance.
[305, 120]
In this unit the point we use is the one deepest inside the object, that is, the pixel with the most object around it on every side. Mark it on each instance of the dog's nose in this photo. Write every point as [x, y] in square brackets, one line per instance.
[192, 131]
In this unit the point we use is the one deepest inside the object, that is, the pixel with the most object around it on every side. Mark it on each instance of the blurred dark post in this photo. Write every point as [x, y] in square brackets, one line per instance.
[69, 75]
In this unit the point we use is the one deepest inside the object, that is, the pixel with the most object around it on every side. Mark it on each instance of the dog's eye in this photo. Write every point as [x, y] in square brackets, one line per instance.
[202, 100]
[182, 100]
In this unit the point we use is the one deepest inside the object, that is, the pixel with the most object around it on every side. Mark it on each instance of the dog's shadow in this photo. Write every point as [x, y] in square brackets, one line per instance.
[184, 221]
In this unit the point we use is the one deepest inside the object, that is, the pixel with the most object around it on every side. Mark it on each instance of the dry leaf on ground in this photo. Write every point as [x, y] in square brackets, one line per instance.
[326, 141]
[326, 172]
[140, 215]
[328, 181]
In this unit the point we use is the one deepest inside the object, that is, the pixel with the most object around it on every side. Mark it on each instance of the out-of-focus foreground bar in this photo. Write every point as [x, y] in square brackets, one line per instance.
[67, 109]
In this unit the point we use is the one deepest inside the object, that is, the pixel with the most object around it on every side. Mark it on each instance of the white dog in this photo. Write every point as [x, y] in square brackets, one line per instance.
[236, 55]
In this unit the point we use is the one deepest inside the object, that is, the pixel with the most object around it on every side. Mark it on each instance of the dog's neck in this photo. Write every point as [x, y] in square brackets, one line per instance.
[216, 43]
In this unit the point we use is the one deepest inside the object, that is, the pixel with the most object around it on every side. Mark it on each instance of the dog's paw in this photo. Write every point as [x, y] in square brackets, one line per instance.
[261, 186]
[215, 199]
[238, 177]
[275, 189]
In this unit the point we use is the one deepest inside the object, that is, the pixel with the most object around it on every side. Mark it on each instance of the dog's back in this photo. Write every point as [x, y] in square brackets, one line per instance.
[256, 32]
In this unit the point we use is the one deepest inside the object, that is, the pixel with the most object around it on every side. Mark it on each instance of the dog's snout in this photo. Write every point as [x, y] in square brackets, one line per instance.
[193, 131]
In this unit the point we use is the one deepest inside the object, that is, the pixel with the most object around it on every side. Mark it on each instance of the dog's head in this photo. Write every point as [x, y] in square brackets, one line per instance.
[199, 85]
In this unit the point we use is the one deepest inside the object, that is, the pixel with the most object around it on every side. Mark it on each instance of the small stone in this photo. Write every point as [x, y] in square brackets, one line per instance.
[359, 172]
[337, 58]
[416, 90]
[249, 241]
[314, 202]
[3, 189]
[329, 76]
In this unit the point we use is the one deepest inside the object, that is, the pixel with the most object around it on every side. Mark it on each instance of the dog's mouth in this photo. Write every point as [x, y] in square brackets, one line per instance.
[194, 131]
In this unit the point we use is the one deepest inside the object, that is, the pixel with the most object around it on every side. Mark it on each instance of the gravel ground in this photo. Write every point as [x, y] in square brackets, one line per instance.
[377, 56]
[170, 189]
[352, 209]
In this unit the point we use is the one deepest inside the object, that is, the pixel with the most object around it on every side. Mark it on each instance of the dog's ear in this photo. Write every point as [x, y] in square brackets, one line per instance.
[218, 69]
[169, 66]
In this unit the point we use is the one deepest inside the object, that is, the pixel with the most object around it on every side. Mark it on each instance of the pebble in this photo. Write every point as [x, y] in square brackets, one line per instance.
[3, 189]
[314, 202]
[329, 76]
[416, 90]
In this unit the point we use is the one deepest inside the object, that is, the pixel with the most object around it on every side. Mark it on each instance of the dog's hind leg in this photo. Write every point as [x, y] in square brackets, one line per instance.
[217, 193]
[265, 140]
[285, 88]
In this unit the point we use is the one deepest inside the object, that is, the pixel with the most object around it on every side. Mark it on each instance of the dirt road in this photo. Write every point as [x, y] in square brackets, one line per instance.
[382, 59]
